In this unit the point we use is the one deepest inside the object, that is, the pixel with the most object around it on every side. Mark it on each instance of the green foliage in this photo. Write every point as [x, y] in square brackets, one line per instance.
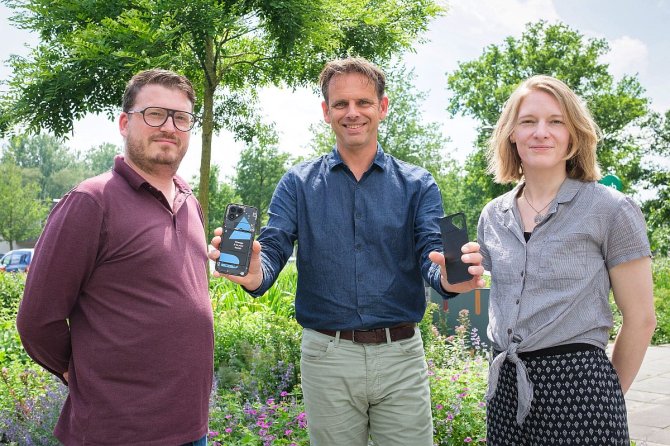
[662, 300]
[100, 159]
[220, 195]
[47, 161]
[30, 403]
[11, 291]
[89, 50]
[480, 88]
[257, 340]
[458, 372]
[661, 277]
[281, 421]
[406, 133]
[657, 209]
[258, 171]
[21, 210]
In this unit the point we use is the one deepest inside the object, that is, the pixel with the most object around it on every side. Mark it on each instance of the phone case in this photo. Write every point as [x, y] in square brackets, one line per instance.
[454, 235]
[239, 227]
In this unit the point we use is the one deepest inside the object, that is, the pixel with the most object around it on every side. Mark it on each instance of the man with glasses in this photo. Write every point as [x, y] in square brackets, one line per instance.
[116, 304]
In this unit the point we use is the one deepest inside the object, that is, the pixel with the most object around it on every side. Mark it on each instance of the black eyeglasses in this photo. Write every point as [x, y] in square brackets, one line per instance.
[157, 116]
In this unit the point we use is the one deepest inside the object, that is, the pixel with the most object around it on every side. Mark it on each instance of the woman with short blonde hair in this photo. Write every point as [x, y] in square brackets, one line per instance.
[555, 245]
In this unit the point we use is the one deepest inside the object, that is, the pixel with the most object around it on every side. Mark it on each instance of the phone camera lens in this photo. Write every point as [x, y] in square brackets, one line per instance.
[234, 212]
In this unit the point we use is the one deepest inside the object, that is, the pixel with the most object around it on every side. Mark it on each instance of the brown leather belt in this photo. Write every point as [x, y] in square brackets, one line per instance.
[374, 336]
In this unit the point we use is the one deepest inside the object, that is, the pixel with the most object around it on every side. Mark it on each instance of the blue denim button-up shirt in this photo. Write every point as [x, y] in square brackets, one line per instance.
[362, 245]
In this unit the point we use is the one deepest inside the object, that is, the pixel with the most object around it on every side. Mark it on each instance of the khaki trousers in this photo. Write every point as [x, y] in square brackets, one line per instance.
[353, 392]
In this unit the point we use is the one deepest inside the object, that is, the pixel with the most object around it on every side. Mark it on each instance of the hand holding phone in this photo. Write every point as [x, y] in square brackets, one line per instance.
[454, 233]
[239, 228]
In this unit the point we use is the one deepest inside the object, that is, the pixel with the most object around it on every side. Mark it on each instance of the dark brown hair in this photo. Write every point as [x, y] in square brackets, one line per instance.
[156, 76]
[352, 65]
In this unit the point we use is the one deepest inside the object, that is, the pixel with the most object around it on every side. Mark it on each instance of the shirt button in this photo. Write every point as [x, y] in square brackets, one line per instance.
[357, 247]
[509, 331]
[358, 215]
[517, 301]
[521, 273]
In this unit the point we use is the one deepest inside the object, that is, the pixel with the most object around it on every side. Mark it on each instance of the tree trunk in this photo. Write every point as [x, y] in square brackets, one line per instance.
[207, 130]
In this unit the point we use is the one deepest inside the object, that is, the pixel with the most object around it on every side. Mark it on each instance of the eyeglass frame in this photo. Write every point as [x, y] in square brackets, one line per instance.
[170, 114]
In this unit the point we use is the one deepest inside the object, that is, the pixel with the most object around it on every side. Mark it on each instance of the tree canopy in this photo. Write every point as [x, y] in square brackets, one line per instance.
[260, 168]
[480, 87]
[21, 211]
[55, 168]
[228, 49]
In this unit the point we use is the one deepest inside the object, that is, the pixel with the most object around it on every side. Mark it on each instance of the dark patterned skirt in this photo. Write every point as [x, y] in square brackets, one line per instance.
[577, 400]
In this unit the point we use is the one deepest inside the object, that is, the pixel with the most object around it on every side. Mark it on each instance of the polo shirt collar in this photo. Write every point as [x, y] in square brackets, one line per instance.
[136, 181]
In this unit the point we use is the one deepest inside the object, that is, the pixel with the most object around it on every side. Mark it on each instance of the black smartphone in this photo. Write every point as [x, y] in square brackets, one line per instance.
[454, 231]
[239, 227]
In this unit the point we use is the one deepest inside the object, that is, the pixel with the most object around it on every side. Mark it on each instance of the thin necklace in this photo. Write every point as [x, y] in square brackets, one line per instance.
[539, 216]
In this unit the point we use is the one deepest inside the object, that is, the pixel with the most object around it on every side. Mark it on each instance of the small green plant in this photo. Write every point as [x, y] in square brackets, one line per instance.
[662, 300]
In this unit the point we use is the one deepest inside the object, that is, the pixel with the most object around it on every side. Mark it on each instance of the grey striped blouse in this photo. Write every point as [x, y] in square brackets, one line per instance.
[554, 289]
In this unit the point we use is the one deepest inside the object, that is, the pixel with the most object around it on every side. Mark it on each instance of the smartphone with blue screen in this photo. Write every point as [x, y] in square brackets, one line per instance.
[239, 228]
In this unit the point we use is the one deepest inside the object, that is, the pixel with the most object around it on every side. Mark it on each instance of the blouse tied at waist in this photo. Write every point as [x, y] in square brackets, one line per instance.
[523, 383]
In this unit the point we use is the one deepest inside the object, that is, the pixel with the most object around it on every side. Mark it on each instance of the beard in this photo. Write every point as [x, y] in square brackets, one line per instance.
[157, 158]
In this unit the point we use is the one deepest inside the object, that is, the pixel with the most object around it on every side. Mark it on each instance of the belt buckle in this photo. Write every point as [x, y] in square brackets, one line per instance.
[353, 336]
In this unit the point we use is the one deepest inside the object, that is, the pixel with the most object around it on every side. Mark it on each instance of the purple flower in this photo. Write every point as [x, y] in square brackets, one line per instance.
[467, 440]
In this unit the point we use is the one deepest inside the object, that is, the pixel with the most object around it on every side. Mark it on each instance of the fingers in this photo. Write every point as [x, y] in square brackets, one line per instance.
[470, 247]
[471, 255]
[436, 257]
[214, 252]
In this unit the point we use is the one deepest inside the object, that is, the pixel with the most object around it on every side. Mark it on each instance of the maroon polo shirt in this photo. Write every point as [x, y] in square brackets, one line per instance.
[117, 294]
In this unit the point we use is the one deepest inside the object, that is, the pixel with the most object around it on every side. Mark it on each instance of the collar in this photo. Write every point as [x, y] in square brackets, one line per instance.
[566, 193]
[136, 181]
[333, 159]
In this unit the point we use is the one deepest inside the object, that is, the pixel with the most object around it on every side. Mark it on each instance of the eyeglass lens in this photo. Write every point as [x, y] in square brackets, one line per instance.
[156, 117]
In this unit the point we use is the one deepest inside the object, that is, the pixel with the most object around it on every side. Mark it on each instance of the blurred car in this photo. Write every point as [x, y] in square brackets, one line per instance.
[17, 260]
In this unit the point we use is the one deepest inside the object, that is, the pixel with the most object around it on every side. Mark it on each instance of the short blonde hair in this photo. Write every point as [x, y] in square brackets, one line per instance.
[582, 163]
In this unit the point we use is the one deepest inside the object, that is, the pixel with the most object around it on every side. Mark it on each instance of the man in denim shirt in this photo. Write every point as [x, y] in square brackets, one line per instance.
[366, 227]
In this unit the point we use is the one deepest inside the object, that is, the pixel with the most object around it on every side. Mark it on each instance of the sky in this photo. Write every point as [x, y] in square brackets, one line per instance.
[637, 32]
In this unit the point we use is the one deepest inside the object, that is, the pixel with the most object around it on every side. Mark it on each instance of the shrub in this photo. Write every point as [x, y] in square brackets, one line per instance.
[256, 354]
[257, 343]
[662, 300]
[458, 371]
[11, 291]
[30, 404]
[661, 275]
[277, 421]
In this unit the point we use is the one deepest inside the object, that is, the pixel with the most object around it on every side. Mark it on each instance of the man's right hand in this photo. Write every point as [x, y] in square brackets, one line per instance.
[254, 278]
